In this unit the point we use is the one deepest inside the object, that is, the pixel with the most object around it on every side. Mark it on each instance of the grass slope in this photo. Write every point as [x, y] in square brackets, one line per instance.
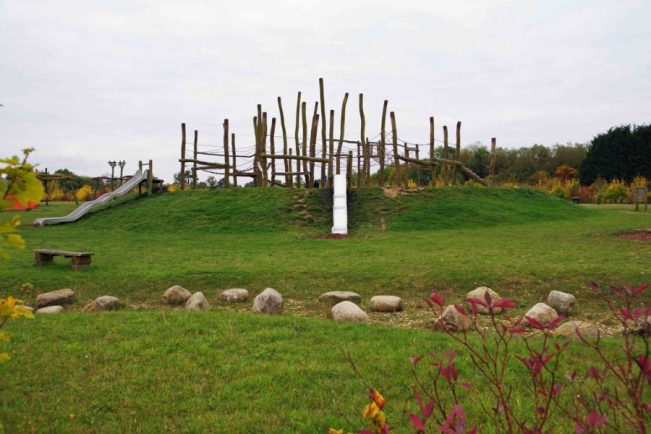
[146, 370]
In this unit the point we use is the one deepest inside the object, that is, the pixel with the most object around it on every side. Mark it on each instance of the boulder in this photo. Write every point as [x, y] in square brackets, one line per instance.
[334, 297]
[268, 301]
[386, 303]
[197, 301]
[235, 295]
[176, 295]
[347, 311]
[55, 298]
[50, 309]
[106, 302]
[452, 320]
[561, 302]
[479, 292]
[542, 313]
[572, 329]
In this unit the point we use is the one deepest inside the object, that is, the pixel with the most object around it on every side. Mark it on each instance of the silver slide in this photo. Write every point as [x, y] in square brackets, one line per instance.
[87, 206]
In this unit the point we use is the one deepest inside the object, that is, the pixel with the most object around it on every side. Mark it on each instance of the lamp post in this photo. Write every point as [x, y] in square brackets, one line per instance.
[121, 164]
[112, 164]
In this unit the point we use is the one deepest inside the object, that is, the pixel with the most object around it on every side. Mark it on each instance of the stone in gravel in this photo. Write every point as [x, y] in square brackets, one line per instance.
[347, 311]
[542, 313]
[453, 320]
[176, 295]
[334, 297]
[269, 302]
[50, 309]
[479, 292]
[572, 329]
[235, 295]
[386, 303]
[561, 302]
[106, 302]
[197, 301]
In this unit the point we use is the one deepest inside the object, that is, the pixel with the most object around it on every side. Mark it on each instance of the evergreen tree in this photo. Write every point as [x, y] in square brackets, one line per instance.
[623, 153]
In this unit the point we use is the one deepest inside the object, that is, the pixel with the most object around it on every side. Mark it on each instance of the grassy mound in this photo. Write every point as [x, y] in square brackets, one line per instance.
[279, 210]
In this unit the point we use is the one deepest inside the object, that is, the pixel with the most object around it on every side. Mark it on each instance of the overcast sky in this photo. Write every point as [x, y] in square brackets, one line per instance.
[85, 82]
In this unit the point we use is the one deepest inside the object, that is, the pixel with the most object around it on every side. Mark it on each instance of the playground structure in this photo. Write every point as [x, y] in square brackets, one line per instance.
[137, 180]
[297, 167]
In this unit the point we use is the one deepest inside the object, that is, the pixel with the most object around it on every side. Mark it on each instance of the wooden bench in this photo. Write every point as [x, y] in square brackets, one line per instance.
[79, 259]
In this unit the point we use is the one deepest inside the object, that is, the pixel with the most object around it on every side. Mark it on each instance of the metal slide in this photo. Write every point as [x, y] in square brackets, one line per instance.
[87, 206]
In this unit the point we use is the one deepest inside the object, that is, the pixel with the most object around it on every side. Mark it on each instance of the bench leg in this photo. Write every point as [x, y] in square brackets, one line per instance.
[43, 258]
[80, 262]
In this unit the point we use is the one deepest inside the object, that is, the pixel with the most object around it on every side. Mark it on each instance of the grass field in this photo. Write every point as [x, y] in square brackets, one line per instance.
[155, 369]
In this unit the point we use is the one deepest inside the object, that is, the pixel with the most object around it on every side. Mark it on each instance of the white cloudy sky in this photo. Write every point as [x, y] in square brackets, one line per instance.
[85, 82]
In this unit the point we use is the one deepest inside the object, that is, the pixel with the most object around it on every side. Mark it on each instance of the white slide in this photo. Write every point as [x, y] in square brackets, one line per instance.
[87, 206]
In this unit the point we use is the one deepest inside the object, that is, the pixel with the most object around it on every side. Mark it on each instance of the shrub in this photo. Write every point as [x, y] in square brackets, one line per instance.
[612, 397]
[85, 193]
[617, 191]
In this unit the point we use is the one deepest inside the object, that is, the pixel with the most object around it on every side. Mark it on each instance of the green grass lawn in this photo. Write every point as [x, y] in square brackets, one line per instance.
[155, 369]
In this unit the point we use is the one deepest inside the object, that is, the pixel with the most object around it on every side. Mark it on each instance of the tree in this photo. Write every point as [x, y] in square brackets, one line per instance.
[18, 181]
[187, 176]
[623, 152]
[211, 181]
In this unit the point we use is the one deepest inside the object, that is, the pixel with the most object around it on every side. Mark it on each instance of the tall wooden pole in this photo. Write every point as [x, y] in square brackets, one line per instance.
[491, 170]
[396, 161]
[298, 146]
[342, 129]
[323, 131]
[431, 152]
[272, 151]
[417, 167]
[349, 169]
[332, 148]
[182, 173]
[263, 150]
[446, 168]
[305, 172]
[234, 166]
[315, 130]
[227, 173]
[383, 143]
[457, 153]
[287, 163]
[362, 175]
[194, 164]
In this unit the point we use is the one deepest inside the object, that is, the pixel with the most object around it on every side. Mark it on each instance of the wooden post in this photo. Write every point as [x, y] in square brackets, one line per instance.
[341, 129]
[417, 168]
[491, 167]
[257, 161]
[298, 147]
[150, 178]
[182, 174]
[234, 166]
[263, 150]
[446, 168]
[315, 130]
[304, 153]
[383, 143]
[359, 163]
[361, 175]
[431, 152]
[349, 169]
[396, 161]
[407, 165]
[457, 153]
[226, 168]
[194, 165]
[332, 148]
[286, 162]
[272, 151]
[323, 132]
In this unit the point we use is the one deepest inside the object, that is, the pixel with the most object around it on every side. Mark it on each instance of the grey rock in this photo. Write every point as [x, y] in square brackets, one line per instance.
[176, 295]
[106, 302]
[197, 301]
[50, 309]
[572, 329]
[55, 298]
[347, 311]
[542, 313]
[235, 295]
[386, 303]
[452, 320]
[334, 297]
[479, 292]
[269, 302]
[561, 302]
